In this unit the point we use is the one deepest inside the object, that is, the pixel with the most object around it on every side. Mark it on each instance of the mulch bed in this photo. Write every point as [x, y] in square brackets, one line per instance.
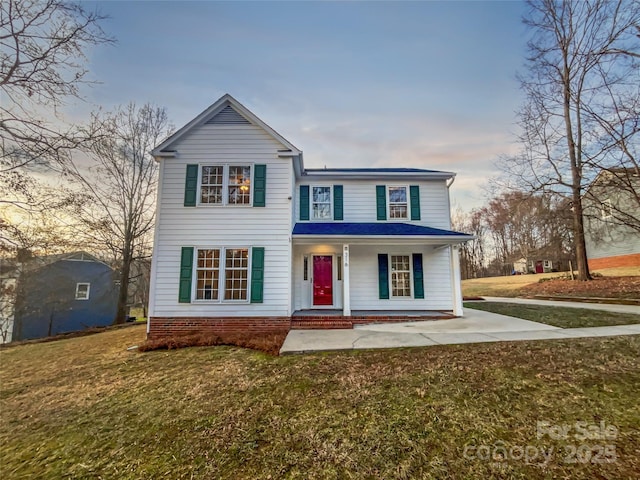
[603, 287]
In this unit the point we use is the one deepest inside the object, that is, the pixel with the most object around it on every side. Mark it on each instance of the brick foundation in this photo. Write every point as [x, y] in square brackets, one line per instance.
[632, 260]
[162, 327]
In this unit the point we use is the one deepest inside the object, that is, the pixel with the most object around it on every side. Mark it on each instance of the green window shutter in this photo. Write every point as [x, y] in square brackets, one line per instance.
[418, 276]
[259, 185]
[186, 268]
[257, 274]
[383, 276]
[381, 202]
[304, 202]
[414, 197]
[191, 186]
[338, 210]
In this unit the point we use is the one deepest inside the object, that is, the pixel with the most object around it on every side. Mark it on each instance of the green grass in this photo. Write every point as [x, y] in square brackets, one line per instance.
[563, 317]
[87, 408]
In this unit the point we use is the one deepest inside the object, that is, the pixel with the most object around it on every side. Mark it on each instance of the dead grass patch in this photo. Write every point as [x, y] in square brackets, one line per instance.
[221, 412]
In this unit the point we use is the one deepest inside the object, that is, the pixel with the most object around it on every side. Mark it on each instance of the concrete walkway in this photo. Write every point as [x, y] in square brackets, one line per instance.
[607, 307]
[476, 326]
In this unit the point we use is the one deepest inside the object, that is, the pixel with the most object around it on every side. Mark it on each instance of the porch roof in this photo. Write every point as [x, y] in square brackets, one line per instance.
[377, 230]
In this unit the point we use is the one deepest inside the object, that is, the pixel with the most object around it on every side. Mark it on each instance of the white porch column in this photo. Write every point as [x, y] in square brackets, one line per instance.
[456, 281]
[346, 295]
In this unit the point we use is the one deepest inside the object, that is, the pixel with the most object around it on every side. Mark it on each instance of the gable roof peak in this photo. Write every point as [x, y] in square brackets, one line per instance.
[235, 117]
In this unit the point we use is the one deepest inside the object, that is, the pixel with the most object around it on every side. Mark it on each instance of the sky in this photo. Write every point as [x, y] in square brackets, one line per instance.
[352, 84]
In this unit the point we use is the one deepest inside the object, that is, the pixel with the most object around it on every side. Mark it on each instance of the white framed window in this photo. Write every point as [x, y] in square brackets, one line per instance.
[239, 187]
[208, 274]
[82, 291]
[547, 264]
[236, 272]
[321, 203]
[606, 209]
[211, 184]
[401, 275]
[222, 274]
[397, 202]
[224, 184]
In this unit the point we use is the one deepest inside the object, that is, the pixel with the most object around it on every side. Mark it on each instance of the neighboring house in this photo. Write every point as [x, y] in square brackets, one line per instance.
[247, 237]
[611, 207]
[63, 293]
[524, 265]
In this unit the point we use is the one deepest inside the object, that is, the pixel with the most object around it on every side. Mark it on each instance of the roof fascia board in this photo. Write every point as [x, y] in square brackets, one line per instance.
[379, 175]
[438, 238]
[223, 101]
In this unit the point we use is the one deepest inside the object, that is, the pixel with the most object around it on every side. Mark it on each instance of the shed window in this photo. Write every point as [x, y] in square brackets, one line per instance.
[82, 291]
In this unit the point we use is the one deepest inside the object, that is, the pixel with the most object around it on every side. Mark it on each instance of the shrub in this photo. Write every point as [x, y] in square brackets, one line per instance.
[269, 343]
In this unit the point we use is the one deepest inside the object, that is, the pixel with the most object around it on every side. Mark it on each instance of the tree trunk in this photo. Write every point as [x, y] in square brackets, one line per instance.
[123, 293]
[579, 238]
[575, 157]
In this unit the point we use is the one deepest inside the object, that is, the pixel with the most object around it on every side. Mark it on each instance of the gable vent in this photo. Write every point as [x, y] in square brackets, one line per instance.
[227, 116]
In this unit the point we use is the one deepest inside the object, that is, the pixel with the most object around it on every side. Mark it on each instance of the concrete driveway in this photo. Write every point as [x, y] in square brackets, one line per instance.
[476, 326]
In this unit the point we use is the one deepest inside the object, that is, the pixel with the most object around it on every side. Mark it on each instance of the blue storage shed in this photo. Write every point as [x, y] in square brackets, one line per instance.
[64, 293]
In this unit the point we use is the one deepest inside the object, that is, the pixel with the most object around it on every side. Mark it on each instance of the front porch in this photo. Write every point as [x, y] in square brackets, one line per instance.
[336, 319]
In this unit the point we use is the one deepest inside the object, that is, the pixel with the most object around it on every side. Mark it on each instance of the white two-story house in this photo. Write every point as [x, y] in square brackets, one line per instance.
[247, 238]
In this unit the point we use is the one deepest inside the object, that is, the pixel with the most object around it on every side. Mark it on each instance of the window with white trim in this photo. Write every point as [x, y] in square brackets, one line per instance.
[82, 291]
[239, 185]
[225, 184]
[606, 209]
[321, 203]
[222, 282]
[397, 202]
[400, 275]
[208, 274]
[236, 274]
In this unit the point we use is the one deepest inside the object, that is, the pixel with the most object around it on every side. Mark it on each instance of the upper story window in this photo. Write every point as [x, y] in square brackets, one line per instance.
[225, 185]
[82, 291]
[397, 201]
[321, 203]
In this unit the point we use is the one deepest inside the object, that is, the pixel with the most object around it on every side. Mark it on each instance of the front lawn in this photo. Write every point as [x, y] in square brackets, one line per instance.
[87, 408]
[563, 317]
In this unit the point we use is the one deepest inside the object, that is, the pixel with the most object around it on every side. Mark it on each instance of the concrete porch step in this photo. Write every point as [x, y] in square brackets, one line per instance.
[320, 323]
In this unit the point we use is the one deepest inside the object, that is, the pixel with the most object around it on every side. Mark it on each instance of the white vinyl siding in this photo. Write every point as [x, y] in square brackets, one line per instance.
[364, 278]
[268, 227]
[359, 201]
[363, 273]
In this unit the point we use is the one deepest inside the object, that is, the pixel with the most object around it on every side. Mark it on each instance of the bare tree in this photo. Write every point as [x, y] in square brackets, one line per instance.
[120, 186]
[582, 63]
[43, 47]
[472, 254]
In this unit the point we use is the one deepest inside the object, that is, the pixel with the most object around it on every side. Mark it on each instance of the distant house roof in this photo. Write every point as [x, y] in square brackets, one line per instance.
[374, 230]
[35, 263]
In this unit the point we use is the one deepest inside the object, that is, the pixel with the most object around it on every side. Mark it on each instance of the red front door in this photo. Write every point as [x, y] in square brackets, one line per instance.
[322, 280]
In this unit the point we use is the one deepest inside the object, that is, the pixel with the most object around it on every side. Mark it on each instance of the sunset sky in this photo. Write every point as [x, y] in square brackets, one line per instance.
[357, 84]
